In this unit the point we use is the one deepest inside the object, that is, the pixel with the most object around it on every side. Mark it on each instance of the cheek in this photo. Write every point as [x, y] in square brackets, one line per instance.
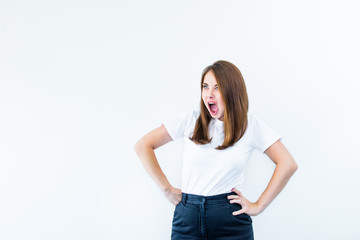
[203, 97]
[221, 104]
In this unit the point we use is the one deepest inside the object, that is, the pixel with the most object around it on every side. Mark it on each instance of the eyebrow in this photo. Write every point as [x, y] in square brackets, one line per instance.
[208, 84]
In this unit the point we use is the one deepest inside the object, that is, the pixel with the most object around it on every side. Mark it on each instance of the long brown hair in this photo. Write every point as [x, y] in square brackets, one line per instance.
[234, 95]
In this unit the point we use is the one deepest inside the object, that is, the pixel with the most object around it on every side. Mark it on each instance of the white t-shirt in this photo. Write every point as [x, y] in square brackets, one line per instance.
[208, 171]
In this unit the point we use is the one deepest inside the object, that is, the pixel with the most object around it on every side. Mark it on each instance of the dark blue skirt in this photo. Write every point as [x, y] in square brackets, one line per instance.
[210, 217]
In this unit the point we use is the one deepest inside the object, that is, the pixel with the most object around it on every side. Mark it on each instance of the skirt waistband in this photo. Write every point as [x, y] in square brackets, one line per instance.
[200, 199]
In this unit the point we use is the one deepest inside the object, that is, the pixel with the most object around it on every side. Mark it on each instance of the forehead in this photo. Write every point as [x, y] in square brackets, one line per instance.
[209, 78]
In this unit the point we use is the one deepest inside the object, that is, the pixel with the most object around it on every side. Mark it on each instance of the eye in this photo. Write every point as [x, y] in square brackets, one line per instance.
[204, 86]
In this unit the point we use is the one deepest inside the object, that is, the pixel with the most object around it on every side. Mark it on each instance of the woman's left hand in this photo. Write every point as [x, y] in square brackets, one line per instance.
[250, 208]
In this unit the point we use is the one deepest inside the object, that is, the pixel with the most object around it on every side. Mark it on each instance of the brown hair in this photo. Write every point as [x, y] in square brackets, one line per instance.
[234, 95]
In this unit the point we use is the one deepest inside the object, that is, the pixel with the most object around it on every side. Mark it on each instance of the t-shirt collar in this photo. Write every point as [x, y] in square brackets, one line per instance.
[218, 122]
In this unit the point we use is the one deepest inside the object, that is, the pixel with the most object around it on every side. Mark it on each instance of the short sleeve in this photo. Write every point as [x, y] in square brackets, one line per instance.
[176, 126]
[263, 135]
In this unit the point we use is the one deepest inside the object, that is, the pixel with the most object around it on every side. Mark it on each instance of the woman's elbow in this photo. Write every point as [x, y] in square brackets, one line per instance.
[294, 166]
[289, 165]
[138, 146]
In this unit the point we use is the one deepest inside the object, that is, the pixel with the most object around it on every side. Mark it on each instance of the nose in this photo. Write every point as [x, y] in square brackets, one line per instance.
[211, 93]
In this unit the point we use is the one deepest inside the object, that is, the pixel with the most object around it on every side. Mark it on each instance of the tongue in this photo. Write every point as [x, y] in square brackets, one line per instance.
[213, 108]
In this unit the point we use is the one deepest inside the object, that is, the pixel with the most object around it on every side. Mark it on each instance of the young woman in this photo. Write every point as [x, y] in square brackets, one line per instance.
[218, 141]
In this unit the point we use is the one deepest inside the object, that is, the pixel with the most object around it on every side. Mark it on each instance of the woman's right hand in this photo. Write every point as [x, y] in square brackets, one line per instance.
[173, 195]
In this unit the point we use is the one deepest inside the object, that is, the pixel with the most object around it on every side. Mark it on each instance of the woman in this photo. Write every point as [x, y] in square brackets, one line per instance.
[218, 141]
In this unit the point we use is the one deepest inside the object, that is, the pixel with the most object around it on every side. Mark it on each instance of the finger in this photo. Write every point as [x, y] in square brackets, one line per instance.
[233, 196]
[236, 191]
[236, 201]
[241, 211]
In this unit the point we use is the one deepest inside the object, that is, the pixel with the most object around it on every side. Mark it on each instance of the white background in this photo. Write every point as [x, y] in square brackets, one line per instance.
[82, 81]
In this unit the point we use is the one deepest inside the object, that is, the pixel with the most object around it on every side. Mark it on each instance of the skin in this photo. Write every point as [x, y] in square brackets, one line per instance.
[285, 168]
[211, 92]
[277, 152]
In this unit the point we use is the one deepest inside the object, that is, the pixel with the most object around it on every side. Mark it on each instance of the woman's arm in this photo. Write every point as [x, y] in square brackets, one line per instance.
[145, 150]
[285, 168]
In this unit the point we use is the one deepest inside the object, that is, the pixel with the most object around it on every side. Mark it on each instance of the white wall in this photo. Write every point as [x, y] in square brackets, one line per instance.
[82, 81]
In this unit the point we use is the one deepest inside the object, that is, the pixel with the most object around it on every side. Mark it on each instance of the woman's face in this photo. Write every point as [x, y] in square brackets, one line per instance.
[212, 97]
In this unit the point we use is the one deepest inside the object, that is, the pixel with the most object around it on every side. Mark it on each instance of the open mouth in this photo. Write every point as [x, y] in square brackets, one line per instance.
[213, 108]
